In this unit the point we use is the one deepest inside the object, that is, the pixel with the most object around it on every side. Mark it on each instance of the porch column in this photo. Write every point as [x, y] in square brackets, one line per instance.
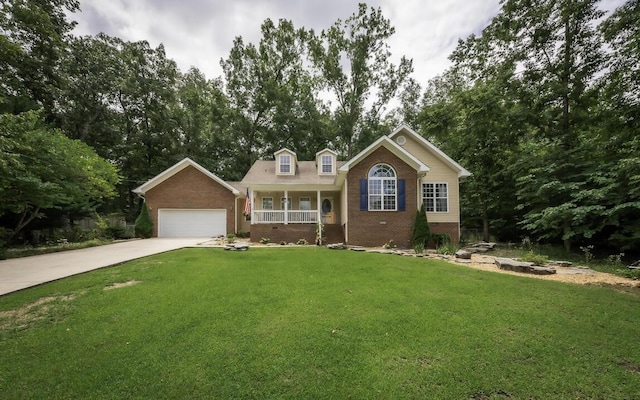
[253, 208]
[319, 207]
[286, 207]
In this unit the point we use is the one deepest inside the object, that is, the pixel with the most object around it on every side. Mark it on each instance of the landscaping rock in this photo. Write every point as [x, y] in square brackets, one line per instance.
[635, 265]
[559, 264]
[237, 247]
[357, 248]
[463, 254]
[337, 246]
[524, 267]
[483, 246]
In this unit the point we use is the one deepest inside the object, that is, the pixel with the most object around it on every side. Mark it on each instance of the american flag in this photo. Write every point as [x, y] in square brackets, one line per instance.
[247, 204]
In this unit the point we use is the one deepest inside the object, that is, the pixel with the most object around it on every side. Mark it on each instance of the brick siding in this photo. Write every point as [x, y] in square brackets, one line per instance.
[190, 189]
[375, 228]
[450, 228]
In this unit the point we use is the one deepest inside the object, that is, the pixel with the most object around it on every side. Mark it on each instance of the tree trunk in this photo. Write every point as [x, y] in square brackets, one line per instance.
[485, 222]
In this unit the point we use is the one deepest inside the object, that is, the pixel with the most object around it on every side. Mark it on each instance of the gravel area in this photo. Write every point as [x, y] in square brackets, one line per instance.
[579, 275]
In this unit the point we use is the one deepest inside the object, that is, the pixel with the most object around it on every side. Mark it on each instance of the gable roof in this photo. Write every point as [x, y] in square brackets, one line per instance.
[394, 148]
[264, 172]
[430, 146]
[179, 166]
[327, 150]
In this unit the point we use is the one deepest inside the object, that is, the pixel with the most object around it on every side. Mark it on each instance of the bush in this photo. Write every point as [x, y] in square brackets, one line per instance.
[144, 225]
[242, 234]
[448, 248]
[265, 240]
[537, 259]
[441, 239]
[302, 242]
[231, 238]
[421, 230]
[629, 273]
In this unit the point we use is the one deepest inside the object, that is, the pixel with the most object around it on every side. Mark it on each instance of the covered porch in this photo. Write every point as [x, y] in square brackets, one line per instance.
[295, 207]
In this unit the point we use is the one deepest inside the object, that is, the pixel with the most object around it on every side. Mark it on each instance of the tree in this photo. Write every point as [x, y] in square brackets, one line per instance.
[556, 48]
[144, 225]
[33, 39]
[421, 230]
[42, 169]
[88, 108]
[273, 98]
[369, 76]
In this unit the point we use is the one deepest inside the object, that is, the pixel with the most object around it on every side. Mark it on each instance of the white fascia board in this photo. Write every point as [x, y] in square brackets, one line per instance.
[462, 172]
[179, 166]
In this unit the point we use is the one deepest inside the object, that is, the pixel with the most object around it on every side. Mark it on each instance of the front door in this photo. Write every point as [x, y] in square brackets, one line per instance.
[328, 212]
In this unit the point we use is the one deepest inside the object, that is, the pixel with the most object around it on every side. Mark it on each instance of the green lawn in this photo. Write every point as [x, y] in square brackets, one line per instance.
[316, 323]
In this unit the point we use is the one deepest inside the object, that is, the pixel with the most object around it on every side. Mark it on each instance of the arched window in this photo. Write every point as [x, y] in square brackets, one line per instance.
[383, 186]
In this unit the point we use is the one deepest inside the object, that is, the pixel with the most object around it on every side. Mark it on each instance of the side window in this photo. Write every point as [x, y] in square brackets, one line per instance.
[435, 197]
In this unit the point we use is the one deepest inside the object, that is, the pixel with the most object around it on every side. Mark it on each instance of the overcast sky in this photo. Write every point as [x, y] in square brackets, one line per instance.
[200, 32]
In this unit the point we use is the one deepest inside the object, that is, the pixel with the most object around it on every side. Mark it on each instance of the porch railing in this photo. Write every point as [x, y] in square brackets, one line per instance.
[277, 216]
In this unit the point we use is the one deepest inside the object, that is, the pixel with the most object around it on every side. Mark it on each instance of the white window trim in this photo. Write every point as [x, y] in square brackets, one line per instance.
[290, 164]
[435, 198]
[267, 198]
[300, 203]
[332, 164]
[382, 179]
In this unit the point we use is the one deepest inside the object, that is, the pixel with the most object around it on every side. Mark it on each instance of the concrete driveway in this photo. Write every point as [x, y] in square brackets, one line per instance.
[20, 273]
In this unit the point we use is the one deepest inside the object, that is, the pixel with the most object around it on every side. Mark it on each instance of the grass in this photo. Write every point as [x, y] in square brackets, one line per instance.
[315, 323]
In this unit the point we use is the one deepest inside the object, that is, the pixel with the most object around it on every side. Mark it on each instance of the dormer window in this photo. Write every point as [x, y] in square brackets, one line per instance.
[285, 164]
[326, 164]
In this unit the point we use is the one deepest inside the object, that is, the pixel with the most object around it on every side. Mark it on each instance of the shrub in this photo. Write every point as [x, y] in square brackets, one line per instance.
[144, 225]
[441, 239]
[231, 238]
[116, 232]
[537, 259]
[283, 243]
[242, 234]
[302, 242]
[421, 231]
[265, 240]
[448, 248]
[629, 273]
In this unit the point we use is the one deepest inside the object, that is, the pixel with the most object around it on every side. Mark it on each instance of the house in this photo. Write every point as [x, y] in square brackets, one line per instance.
[367, 200]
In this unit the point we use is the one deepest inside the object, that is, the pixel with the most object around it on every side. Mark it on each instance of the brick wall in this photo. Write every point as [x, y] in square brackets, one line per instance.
[450, 228]
[190, 189]
[375, 228]
[290, 233]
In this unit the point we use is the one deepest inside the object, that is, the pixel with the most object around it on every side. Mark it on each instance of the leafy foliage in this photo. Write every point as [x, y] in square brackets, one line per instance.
[421, 231]
[43, 169]
[144, 225]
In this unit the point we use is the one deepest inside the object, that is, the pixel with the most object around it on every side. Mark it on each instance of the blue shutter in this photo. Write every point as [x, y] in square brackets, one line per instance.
[363, 195]
[401, 196]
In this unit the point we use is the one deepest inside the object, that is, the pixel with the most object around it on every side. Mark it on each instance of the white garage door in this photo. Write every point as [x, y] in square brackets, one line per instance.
[191, 223]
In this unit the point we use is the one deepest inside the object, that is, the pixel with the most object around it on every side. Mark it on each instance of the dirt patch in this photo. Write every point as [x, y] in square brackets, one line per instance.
[564, 274]
[629, 366]
[26, 315]
[122, 284]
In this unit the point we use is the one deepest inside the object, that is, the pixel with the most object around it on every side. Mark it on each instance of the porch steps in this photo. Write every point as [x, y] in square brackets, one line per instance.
[333, 233]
